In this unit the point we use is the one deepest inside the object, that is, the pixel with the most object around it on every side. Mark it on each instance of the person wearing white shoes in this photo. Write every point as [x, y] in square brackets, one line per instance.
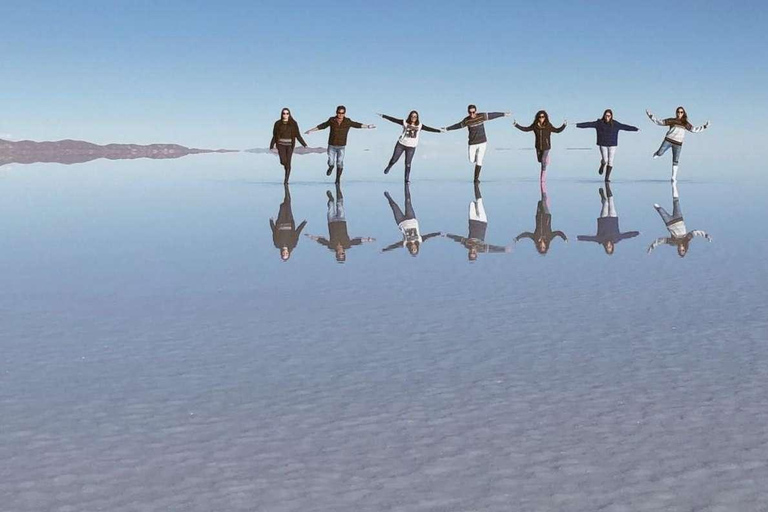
[675, 136]
[679, 236]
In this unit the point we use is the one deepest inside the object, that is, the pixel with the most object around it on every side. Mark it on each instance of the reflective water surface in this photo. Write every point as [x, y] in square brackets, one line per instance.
[193, 335]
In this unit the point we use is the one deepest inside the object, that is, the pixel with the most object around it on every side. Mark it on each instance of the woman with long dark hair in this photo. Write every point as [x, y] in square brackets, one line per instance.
[407, 141]
[284, 135]
[542, 129]
[675, 136]
[607, 129]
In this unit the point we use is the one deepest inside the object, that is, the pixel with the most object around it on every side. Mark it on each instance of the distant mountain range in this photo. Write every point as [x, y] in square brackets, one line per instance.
[78, 151]
[298, 150]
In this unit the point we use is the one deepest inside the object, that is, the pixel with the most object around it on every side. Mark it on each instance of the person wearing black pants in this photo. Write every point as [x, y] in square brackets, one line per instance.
[284, 135]
[543, 235]
[285, 234]
[408, 140]
[408, 225]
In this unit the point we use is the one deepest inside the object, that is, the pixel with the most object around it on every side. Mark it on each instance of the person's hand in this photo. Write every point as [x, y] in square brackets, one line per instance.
[443, 130]
[565, 122]
[306, 132]
[648, 113]
[371, 126]
[706, 125]
[380, 115]
[507, 114]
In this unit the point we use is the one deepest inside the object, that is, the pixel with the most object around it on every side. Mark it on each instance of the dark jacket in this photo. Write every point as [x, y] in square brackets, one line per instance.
[607, 133]
[608, 231]
[289, 130]
[542, 134]
[339, 131]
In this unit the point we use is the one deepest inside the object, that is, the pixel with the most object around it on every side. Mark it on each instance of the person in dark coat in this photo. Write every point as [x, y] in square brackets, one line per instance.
[284, 135]
[607, 129]
[608, 233]
[285, 234]
[542, 129]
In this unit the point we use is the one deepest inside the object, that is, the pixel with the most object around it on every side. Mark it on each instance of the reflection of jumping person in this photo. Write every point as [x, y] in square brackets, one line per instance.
[675, 135]
[408, 225]
[338, 239]
[337, 138]
[543, 235]
[679, 235]
[284, 135]
[542, 129]
[474, 122]
[407, 141]
[478, 225]
[607, 129]
[285, 235]
[608, 233]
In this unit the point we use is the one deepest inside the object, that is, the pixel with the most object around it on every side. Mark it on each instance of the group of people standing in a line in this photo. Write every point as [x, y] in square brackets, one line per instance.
[286, 132]
[286, 234]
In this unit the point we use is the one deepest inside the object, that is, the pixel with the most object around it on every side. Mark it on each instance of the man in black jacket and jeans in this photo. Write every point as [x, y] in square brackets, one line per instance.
[337, 138]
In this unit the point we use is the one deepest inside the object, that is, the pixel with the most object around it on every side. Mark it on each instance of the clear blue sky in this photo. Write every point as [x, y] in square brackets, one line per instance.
[215, 74]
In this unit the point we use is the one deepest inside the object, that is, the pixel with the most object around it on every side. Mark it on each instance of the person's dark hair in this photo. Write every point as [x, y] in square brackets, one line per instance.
[683, 121]
[471, 106]
[413, 248]
[607, 111]
[546, 118]
[408, 119]
[291, 120]
[341, 107]
[609, 247]
[543, 248]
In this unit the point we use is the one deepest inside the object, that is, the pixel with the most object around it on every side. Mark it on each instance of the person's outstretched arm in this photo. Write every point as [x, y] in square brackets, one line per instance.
[628, 234]
[660, 122]
[697, 129]
[299, 137]
[625, 127]
[274, 138]
[588, 124]
[587, 238]
[431, 235]
[430, 129]
[522, 128]
[456, 238]
[657, 243]
[393, 119]
[460, 124]
[355, 124]
[526, 234]
[321, 126]
[698, 232]
[272, 225]
[495, 115]
[561, 128]
[392, 246]
[319, 239]
[301, 226]
[560, 234]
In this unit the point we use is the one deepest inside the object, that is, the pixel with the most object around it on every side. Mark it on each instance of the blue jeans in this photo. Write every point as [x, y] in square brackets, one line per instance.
[336, 156]
[676, 149]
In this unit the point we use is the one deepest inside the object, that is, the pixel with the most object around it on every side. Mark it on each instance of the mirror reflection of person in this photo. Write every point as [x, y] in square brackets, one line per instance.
[338, 240]
[474, 242]
[477, 142]
[337, 138]
[285, 234]
[679, 236]
[543, 235]
[285, 132]
[542, 129]
[408, 140]
[408, 225]
[608, 233]
[675, 135]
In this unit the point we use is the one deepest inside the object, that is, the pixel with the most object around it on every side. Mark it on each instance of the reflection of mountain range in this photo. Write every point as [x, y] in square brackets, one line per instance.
[77, 151]
[298, 150]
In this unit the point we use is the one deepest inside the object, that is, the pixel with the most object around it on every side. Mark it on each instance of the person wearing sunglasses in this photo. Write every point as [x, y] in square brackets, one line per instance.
[408, 225]
[542, 129]
[543, 235]
[285, 234]
[679, 236]
[337, 138]
[607, 129]
[608, 232]
[474, 123]
[675, 136]
[474, 242]
[407, 141]
[284, 135]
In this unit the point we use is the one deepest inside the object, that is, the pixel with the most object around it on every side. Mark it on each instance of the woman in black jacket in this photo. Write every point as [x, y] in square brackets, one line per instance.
[542, 128]
[284, 135]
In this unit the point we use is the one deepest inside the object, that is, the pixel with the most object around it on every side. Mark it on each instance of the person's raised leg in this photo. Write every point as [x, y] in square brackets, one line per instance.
[395, 157]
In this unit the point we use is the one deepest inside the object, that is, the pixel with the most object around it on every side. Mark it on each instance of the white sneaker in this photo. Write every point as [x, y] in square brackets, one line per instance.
[656, 205]
[655, 156]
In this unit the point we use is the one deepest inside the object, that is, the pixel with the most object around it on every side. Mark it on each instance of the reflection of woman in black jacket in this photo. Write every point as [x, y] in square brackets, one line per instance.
[542, 129]
[543, 235]
[284, 135]
[285, 235]
[608, 233]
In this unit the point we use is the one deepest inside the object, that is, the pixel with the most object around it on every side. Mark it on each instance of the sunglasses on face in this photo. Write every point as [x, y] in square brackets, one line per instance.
[286, 114]
[340, 113]
[472, 111]
[542, 117]
[681, 112]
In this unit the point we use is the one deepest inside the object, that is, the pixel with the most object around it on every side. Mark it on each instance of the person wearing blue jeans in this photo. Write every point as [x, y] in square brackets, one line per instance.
[337, 138]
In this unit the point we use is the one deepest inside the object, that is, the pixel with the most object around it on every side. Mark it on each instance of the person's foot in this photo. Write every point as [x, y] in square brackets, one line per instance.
[386, 194]
[655, 156]
[329, 194]
[602, 167]
[329, 171]
[386, 171]
[656, 205]
[602, 193]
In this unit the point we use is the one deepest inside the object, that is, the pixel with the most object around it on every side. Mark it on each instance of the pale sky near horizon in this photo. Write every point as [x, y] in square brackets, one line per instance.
[216, 76]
